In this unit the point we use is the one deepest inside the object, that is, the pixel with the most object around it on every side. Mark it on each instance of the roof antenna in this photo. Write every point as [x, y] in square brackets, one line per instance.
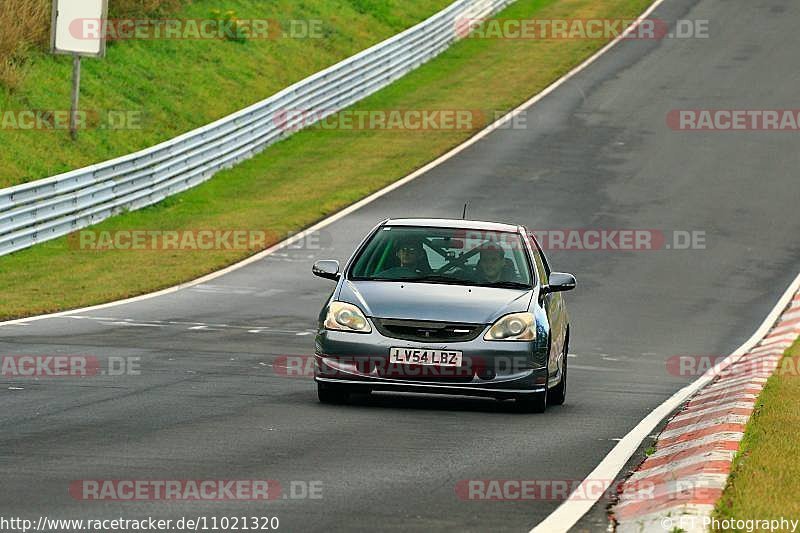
[464, 214]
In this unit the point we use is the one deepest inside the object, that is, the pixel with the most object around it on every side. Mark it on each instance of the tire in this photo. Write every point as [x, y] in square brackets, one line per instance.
[332, 394]
[533, 403]
[558, 394]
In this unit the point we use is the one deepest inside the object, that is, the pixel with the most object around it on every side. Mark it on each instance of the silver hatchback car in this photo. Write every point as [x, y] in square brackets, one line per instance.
[445, 307]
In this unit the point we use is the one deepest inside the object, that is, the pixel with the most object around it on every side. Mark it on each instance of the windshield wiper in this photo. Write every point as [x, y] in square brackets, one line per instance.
[505, 285]
[439, 279]
[418, 279]
[381, 279]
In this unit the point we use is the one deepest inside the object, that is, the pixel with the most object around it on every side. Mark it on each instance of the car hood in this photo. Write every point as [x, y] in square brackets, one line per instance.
[434, 302]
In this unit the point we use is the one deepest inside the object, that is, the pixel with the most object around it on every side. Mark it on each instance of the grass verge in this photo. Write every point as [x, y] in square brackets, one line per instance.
[765, 478]
[310, 175]
[165, 87]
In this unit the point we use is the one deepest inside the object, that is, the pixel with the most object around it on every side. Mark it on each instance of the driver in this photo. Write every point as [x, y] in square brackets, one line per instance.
[410, 257]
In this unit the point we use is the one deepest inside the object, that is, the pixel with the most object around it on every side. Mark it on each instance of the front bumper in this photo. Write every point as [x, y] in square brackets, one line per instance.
[489, 368]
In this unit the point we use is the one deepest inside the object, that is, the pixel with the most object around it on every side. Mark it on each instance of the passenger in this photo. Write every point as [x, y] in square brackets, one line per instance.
[492, 265]
[411, 260]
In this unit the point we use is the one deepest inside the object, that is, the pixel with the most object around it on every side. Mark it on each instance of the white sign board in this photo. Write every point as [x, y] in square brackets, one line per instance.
[78, 27]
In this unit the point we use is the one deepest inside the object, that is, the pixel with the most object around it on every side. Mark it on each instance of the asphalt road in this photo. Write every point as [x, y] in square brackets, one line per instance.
[597, 153]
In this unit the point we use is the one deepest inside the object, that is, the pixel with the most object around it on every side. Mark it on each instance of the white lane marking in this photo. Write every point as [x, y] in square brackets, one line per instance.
[688, 462]
[192, 326]
[724, 400]
[791, 328]
[768, 350]
[791, 316]
[577, 505]
[725, 384]
[705, 424]
[784, 340]
[689, 414]
[236, 290]
[701, 444]
[286, 258]
[130, 324]
[592, 368]
[635, 495]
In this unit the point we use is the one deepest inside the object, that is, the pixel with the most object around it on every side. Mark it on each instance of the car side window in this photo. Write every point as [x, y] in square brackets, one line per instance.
[544, 261]
[541, 263]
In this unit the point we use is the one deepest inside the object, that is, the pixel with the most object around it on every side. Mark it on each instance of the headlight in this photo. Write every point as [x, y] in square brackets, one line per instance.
[346, 317]
[514, 327]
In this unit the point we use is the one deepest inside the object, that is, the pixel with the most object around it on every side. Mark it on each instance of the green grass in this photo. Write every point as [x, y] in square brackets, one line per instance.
[310, 175]
[765, 479]
[178, 85]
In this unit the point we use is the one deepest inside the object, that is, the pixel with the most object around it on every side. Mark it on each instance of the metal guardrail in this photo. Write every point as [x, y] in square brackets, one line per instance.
[52, 207]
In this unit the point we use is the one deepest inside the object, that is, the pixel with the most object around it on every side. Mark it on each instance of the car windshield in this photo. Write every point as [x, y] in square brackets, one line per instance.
[444, 255]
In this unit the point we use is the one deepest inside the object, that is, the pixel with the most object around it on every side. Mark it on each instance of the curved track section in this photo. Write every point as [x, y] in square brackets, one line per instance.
[210, 402]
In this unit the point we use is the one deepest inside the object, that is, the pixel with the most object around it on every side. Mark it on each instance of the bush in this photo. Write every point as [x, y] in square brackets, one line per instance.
[139, 8]
[230, 21]
[25, 26]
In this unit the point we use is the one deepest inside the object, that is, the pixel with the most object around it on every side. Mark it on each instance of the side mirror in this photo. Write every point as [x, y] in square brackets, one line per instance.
[327, 269]
[559, 282]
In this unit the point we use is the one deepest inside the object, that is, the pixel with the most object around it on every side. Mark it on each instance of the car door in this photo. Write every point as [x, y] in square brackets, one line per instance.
[553, 304]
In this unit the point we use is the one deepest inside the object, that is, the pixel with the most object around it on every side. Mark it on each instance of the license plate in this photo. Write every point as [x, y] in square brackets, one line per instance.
[422, 356]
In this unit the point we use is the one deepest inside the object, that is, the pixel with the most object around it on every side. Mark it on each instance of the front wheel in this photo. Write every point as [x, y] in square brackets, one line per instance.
[558, 394]
[533, 403]
[333, 394]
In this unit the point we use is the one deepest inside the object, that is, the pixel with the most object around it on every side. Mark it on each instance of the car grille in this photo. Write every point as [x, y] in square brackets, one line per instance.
[420, 331]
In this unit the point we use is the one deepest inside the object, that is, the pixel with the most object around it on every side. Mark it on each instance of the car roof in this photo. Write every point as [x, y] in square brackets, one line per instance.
[452, 223]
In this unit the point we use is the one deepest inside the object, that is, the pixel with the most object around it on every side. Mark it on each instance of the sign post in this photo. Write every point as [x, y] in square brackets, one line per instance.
[78, 30]
[76, 94]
